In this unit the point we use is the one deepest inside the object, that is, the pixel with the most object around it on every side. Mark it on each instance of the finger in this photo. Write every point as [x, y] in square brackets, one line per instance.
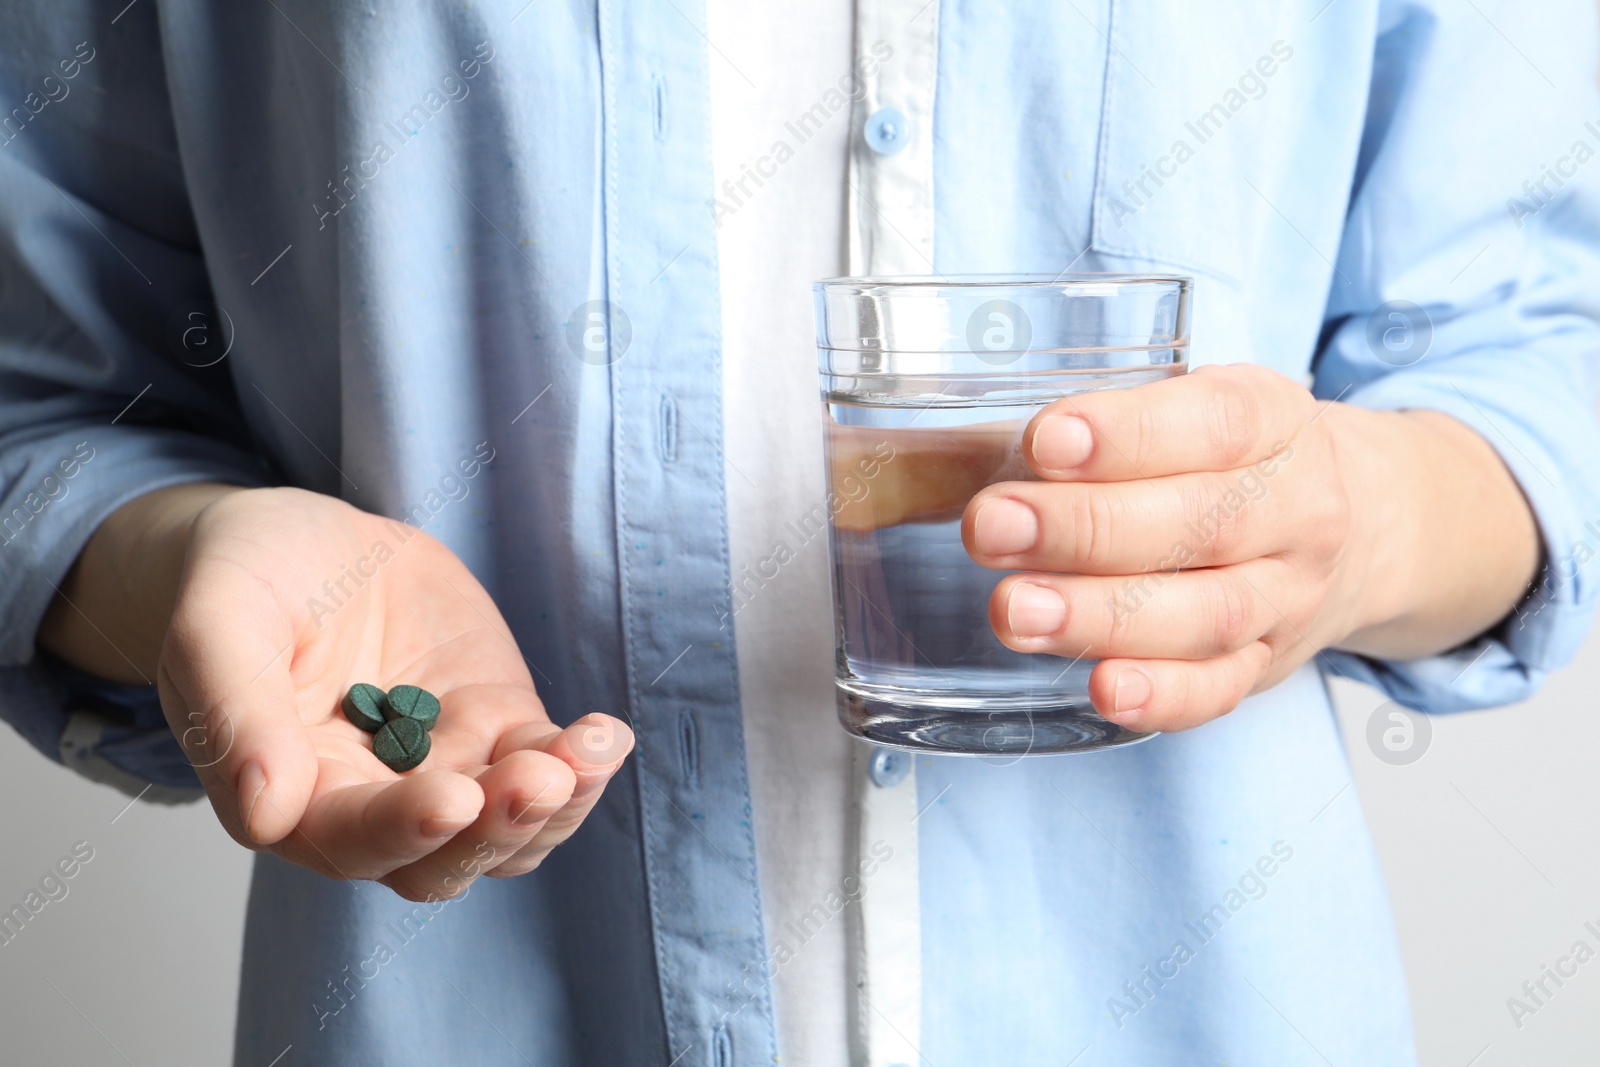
[474, 718]
[367, 829]
[225, 687]
[881, 476]
[1182, 521]
[1186, 615]
[520, 793]
[1168, 695]
[594, 747]
[1216, 419]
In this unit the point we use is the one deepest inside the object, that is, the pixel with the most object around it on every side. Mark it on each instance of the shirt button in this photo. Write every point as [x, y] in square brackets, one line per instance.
[887, 131]
[889, 767]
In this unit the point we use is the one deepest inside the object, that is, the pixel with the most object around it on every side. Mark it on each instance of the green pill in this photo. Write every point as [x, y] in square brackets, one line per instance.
[363, 705]
[401, 744]
[410, 702]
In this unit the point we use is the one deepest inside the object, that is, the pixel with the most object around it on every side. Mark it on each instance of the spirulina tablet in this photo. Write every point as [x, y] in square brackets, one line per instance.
[363, 705]
[412, 702]
[401, 744]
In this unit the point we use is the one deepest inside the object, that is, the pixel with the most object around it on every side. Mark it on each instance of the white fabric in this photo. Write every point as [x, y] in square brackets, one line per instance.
[890, 232]
[891, 203]
[886, 941]
[838, 854]
[770, 64]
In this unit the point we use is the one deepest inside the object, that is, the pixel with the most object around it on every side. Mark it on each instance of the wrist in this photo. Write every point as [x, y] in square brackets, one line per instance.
[1377, 573]
[1443, 541]
[110, 615]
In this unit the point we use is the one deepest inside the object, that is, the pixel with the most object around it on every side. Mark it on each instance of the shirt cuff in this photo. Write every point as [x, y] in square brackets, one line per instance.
[114, 734]
[1544, 631]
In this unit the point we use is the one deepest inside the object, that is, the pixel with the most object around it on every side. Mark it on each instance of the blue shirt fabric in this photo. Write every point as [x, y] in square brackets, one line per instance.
[405, 215]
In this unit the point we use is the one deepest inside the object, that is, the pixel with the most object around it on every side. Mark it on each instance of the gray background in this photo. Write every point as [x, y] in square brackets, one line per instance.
[1488, 842]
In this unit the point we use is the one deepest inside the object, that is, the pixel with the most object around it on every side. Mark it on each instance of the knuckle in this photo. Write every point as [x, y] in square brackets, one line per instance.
[514, 867]
[1218, 512]
[1326, 526]
[478, 863]
[1093, 517]
[1234, 523]
[1232, 612]
[563, 823]
[1233, 420]
[1324, 542]
[1118, 619]
[1334, 522]
[1145, 435]
[1239, 681]
[1123, 605]
[1176, 691]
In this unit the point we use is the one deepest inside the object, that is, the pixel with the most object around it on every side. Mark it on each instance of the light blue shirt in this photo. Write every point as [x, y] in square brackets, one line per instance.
[403, 212]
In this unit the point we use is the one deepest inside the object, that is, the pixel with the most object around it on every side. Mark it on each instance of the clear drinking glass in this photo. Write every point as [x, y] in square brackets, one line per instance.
[927, 385]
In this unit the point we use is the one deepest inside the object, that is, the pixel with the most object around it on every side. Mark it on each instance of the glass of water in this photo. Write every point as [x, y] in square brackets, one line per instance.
[927, 386]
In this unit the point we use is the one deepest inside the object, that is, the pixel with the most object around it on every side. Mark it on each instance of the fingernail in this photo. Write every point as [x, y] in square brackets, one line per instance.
[433, 826]
[598, 742]
[1133, 690]
[1035, 610]
[1062, 442]
[1004, 527]
[252, 783]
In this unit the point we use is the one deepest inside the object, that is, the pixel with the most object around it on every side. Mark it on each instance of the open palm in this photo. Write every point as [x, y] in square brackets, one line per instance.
[287, 599]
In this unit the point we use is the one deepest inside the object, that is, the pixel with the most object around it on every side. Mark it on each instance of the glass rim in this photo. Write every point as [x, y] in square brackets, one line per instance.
[1082, 280]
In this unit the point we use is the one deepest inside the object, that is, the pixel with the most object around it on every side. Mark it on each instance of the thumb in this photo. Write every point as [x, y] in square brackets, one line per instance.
[227, 693]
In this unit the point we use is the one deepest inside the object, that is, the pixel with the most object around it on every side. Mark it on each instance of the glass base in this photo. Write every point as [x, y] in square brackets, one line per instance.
[975, 724]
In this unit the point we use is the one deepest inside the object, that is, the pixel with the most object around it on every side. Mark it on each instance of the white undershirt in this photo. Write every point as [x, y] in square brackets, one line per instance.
[781, 229]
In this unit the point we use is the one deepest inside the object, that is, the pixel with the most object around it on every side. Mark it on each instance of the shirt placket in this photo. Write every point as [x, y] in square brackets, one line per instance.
[890, 232]
[663, 346]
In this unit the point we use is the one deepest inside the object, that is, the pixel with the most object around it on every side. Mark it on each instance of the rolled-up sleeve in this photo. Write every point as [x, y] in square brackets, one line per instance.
[1468, 282]
[103, 396]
